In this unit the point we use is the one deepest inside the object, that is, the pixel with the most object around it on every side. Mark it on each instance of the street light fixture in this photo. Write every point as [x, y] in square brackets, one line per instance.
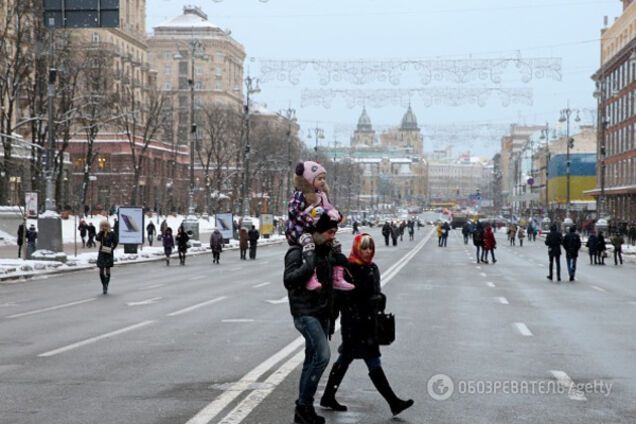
[318, 133]
[565, 117]
[290, 115]
[252, 86]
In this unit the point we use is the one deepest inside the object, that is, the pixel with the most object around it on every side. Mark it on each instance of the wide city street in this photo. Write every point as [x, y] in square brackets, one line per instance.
[204, 343]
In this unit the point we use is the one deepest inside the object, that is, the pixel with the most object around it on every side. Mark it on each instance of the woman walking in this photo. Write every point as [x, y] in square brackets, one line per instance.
[107, 243]
[182, 244]
[216, 244]
[490, 244]
[243, 243]
[168, 244]
[359, 309]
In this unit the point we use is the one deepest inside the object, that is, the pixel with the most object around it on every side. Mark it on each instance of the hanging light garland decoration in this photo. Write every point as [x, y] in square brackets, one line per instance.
[460, 71]
[431, 96]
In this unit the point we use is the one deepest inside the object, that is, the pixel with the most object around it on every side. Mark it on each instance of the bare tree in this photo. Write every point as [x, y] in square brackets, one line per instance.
[219, 147]
[16, 41]
[141, 120]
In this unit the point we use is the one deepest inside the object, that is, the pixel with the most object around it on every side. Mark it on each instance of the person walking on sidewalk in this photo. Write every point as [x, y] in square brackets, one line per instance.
[601, 249]
[151, 230]
[521, 234]
[243, 243]
[83, 230]
[592, 241]
[253, 235]
[105, 257]
[31, 239]
[168, 244]
[20, 239]
[554, 241]
[386, 232]
[182, 240]
[311, 311]
[617, 242]
[92, 233]
[478, 240]
[358, 310]
[572, 245]
[490, 244]
[216, 245]
[445, 230]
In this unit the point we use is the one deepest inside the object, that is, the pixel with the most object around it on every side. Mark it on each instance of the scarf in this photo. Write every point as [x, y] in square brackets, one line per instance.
[355, 257]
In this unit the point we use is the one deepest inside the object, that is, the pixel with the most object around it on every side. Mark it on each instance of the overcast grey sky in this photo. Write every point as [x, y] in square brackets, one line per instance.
[425, 29]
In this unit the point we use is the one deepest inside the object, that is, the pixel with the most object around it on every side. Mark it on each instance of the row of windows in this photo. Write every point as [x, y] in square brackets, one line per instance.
[621, 141]
[198, 85]
[622, 173]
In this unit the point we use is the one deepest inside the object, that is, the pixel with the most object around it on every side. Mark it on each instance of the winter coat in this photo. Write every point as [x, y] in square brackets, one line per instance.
[151, 229]
[182, 240]
[617, 242]
[83, 229]
[592, 243]
[600, 243]
[521, 234]
[216, 241]
[386, 229]
[92, 231]
[299, 267]
[489, 239]
[446, 228]
[304, 199]
[358, 309]
[253, 235]
[554, 241]
[31, 236]
[20, 234]
[243, 239]
[572, 244]
[478, 236]
[109, 239]
[168, 241]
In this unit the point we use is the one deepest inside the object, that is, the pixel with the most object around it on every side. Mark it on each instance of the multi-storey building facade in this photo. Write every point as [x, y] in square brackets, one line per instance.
[616, 92]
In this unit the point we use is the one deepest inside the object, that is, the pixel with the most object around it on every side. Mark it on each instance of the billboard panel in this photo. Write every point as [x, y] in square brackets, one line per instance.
[131, 225]
[267, 224]
[225, 224]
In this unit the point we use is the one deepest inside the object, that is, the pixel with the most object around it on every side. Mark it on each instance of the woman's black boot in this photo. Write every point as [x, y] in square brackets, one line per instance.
[328, 399]
[380, 382]
[306, 414]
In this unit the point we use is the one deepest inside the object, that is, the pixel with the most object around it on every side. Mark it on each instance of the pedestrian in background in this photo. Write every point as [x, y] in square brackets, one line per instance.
[554, 241]
[512, 234]
[105, 257]
[445, 231]
[411, 230]
[92, 233]
[592, 241]
[440, 234]
[20, 239]
[243, 243]
[182, 240]
[151, 230]
[394, 233]
[386, 232]
[617, 242]
[571, 245]
[601, 248]
[490, 244]
[358, 310]
[168, 244]
[253, 235]
[216, 245]
[31, 239]
[478, 240]
[521, 234]
[466, 231]
[83, 230]
[632, 234]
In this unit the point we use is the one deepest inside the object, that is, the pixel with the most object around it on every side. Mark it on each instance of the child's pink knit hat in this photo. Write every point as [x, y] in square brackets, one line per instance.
[310, 170]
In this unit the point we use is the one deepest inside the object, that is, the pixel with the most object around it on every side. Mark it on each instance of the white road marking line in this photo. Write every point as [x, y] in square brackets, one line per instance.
[198, 277]
[503, 300]
[144, 302]
[490, 284]
[247, 405]
[197, 306]
[523, 329]
[597, 288]
[267, 283]
[51, 308]
[483, 274]
[237, 320]
[154, 286]
[279, 301]
[95, 339]
[478, 267]
[264, 262]
[565, 381]
[236, 269]
[216, 406]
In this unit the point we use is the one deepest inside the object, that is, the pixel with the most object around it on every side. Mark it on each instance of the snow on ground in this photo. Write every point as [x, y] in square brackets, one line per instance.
[13, 269]
[7, 239]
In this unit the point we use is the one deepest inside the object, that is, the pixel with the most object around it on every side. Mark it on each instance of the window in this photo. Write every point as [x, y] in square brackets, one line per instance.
[218, 71]
[167, 85]
[218, 84]
[167, 69]
[95, 38]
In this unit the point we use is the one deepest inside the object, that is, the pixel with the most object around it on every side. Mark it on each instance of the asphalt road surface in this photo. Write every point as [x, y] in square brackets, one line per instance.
[216, 343]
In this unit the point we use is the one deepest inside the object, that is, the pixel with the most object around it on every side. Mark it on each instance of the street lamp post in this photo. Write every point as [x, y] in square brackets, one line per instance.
[565, 117]
[251, 87]
[290, 115]
[545, 135]
[319, 133]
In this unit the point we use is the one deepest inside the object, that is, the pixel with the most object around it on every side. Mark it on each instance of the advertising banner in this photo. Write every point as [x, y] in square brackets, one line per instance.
[31, 204]
[267, 224]
[225, 224]
[131, 225]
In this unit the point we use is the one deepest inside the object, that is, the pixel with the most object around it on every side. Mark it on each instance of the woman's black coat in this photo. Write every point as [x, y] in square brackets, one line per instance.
[358, 309]
[105, 260]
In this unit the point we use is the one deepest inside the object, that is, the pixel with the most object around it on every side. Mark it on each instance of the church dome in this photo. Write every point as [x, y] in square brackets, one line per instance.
[409, 121]
[364, 122]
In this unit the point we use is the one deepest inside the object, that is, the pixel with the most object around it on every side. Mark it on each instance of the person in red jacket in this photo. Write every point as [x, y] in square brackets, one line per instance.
[490, 244]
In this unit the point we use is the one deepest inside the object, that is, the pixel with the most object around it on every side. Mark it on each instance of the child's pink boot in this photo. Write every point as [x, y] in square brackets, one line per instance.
[339, 282]
[313, 283]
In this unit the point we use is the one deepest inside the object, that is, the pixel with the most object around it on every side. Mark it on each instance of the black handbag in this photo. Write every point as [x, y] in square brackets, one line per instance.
[385, 328]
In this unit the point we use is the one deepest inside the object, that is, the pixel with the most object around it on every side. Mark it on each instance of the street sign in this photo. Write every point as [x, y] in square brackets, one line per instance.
[81, 13]
[31, 204]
